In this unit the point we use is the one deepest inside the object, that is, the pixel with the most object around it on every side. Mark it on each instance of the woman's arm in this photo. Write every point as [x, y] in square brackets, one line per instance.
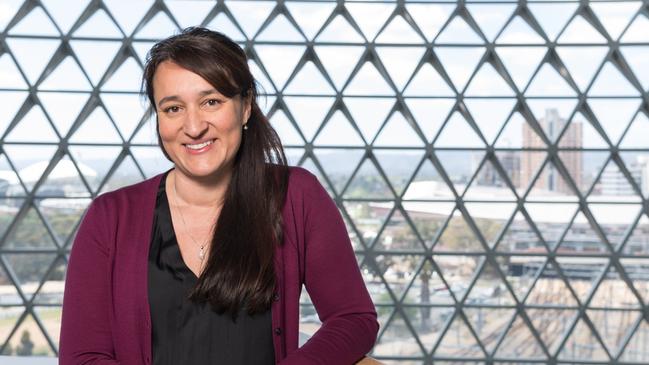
[335, 286]
[86, 336]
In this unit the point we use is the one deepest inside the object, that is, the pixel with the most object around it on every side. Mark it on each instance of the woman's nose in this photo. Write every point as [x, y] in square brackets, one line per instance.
[195, 124]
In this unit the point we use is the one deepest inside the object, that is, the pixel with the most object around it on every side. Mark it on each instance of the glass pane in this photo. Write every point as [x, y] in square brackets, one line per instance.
[483, 155]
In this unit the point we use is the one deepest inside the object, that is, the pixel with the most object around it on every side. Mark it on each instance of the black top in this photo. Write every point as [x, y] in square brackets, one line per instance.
[184, 332]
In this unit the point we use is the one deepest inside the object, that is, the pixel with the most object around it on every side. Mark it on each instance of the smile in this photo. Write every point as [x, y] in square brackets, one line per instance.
[196, 147]
[199, 148]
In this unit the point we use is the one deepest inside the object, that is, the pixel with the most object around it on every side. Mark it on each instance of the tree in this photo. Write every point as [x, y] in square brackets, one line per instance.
[26, 346]
[8, 350]
[424, 294]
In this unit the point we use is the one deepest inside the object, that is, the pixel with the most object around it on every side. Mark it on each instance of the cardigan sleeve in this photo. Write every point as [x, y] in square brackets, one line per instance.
[86, 336]
[335, 286]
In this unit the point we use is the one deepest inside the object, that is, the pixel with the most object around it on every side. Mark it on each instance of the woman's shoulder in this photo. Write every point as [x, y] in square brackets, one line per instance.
[302, 181]
[305, 189]
[300, 175]
[132, 195]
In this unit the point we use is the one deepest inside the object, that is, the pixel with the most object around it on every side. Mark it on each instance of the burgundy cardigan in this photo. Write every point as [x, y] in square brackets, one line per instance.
[106, 317]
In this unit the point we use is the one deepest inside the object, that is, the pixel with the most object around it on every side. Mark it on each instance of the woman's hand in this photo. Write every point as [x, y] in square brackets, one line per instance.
[368, 361]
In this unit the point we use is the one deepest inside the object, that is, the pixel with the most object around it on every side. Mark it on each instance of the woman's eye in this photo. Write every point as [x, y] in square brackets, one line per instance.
[172, 109]
[212, 102]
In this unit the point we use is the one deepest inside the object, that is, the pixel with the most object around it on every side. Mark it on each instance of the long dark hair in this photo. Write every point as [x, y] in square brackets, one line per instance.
[239, 273]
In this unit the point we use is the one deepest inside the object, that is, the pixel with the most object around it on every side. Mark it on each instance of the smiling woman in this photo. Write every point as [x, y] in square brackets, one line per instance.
[205, 263]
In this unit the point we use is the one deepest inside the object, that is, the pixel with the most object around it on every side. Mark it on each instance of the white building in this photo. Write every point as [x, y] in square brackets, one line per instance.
[613, 182]
[62, 181]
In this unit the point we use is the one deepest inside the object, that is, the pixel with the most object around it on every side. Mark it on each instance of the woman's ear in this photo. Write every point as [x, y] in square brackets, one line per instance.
[247, 107]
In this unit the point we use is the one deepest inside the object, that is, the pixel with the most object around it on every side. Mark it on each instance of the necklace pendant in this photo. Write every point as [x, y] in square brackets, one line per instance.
[201, 254]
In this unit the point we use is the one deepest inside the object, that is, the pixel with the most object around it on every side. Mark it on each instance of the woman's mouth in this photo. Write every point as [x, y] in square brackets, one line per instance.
[199, 147]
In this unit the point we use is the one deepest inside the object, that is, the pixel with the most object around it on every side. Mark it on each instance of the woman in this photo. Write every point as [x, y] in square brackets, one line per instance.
[205, 262]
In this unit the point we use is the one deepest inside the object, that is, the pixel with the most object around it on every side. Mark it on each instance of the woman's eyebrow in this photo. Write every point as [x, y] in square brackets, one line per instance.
[208, 92]
[176, 97]
[168, 98]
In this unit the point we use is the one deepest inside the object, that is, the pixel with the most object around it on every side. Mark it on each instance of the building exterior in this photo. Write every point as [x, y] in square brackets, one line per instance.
[613, 182]
[511, 164]
[643, 168]
[550, 178]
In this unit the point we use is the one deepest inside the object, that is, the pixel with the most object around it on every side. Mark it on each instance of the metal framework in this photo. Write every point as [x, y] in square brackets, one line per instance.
[411, 99]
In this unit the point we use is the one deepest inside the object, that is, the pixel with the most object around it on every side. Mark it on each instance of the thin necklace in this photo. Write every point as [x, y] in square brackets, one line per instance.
[201, 252]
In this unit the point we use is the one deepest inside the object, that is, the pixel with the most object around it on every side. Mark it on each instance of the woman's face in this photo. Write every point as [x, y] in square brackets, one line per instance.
[200, 128]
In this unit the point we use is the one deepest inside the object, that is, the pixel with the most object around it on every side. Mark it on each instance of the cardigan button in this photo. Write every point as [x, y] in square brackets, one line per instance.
[278, 331]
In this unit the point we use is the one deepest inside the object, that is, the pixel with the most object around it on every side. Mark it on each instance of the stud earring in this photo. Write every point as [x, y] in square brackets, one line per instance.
[245, 127]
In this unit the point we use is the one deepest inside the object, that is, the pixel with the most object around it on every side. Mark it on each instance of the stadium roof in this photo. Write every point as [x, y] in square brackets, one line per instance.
[543, 206]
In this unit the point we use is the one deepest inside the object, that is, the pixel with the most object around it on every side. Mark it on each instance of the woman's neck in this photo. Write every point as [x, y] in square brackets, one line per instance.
[206, 193]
